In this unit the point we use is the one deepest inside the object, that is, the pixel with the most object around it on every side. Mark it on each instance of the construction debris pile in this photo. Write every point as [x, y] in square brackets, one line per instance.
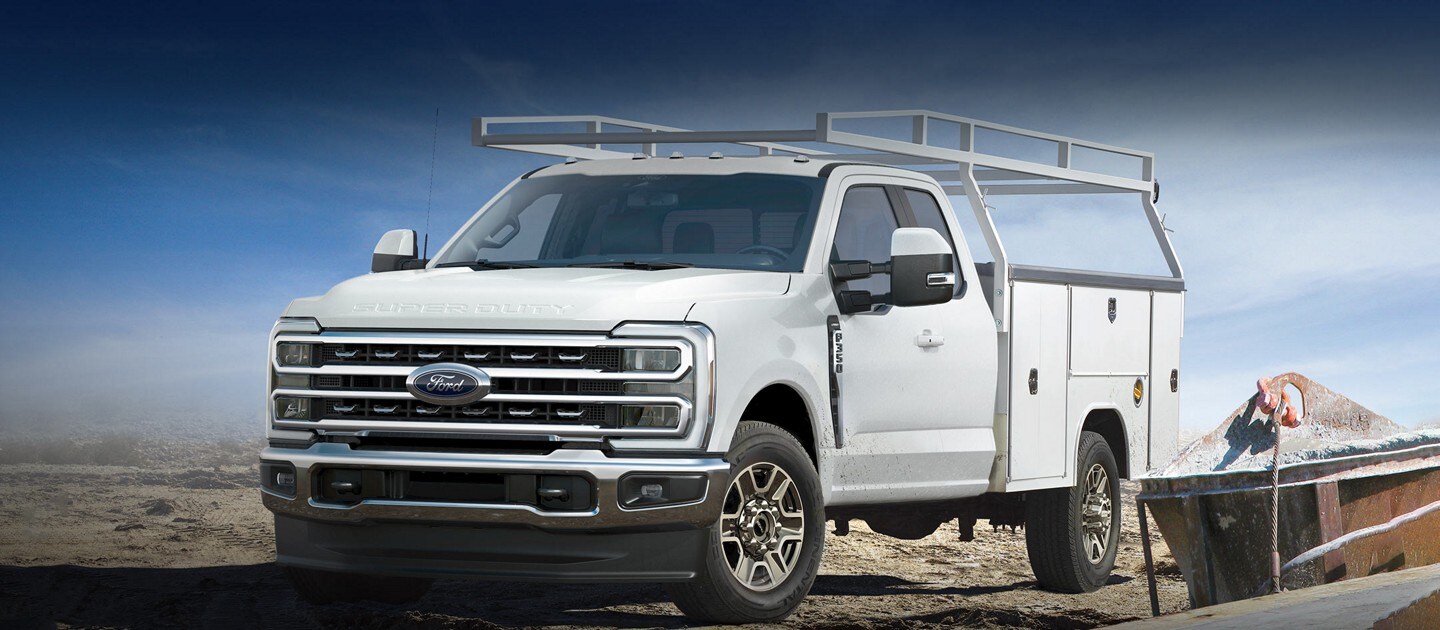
[1333, 426]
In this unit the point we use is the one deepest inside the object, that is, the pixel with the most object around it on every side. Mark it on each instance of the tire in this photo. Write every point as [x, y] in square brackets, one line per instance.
[751, 535]
[1066, 552]
[328, 587]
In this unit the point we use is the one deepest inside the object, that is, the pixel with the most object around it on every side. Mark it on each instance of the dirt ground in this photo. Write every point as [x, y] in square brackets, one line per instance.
[184, 541]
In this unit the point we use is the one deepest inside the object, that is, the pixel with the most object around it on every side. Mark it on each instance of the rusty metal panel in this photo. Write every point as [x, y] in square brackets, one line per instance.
[1332, 526]
[1372, 501]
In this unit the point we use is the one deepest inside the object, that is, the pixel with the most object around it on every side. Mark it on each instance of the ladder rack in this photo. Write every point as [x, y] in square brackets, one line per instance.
[957, 164]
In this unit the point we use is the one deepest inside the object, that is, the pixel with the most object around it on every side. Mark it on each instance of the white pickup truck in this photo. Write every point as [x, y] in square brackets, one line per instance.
[676, 368]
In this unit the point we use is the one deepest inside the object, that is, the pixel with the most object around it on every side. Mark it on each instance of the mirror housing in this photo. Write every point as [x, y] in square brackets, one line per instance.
[395, 251]
[922, 268]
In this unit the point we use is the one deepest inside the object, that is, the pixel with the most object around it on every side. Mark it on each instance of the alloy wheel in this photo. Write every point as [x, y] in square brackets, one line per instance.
[762, 527]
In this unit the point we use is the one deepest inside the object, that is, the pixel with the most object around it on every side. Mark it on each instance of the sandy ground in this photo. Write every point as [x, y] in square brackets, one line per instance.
[184, 541]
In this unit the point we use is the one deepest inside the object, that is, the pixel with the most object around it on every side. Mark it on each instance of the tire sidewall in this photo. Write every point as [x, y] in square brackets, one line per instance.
[1096, 450]
[770, 444]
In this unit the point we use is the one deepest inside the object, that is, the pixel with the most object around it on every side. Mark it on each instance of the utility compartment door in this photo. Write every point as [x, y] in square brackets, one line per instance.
[1110, 363]
[1110, 334]
[1038, 343]
[1166, 328]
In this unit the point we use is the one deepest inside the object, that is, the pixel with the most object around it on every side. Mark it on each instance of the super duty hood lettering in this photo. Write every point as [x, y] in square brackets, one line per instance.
[474, 309]
[574, 299]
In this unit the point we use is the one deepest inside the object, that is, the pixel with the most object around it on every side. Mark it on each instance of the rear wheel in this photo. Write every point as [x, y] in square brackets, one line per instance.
[326, 587]
[765, 550]
[1072, 533]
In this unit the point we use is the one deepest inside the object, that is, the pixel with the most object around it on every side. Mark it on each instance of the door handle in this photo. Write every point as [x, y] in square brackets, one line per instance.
[927, 339]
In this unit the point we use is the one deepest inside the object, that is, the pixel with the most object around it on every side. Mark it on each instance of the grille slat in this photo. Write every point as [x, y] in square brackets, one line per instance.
[531, 356]
[553, 386]
[354, 408]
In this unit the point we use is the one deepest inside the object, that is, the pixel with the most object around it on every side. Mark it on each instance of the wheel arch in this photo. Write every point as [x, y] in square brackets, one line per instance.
[782, 405]
[1110, 425]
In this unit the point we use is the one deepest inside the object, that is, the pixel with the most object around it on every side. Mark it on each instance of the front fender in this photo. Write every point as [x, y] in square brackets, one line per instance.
[763, 342]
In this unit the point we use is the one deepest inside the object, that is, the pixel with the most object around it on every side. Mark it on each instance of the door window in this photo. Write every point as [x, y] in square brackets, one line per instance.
[927, 214]
[866, 224]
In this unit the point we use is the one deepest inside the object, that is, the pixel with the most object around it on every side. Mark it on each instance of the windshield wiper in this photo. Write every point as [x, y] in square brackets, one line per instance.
[488, 264]
[647, 265]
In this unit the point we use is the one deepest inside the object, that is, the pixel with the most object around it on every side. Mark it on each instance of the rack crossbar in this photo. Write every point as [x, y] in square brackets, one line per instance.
[651, 137]
[645, 134]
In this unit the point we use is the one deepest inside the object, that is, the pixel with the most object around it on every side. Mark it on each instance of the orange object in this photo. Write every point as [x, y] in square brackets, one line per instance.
[1291, 418]
[1268, 403]
[1265, 400]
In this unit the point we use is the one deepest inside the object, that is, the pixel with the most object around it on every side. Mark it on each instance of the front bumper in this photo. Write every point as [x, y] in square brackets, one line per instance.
[607, 542]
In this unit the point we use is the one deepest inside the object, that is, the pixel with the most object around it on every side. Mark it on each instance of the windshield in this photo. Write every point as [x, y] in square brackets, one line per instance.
[745, 221]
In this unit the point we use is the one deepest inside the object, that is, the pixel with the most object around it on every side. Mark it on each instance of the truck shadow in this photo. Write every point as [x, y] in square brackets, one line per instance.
[880, 585]
[259, 595]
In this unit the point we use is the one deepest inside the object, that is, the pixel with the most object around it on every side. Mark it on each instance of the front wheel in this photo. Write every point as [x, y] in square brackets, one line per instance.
[764, 551]
[1072, 533]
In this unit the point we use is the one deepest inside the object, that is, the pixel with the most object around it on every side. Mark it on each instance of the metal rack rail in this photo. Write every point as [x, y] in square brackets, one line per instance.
[959, 166]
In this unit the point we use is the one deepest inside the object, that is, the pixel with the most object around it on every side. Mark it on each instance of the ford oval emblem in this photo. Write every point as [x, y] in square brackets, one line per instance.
[448, 384]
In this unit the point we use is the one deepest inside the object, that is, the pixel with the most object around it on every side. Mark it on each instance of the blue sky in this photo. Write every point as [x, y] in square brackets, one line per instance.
[171, 175]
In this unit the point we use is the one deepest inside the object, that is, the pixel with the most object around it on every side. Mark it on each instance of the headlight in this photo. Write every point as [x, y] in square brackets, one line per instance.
[650, 360]
[294, 354]
[663, 416]
[291, 408]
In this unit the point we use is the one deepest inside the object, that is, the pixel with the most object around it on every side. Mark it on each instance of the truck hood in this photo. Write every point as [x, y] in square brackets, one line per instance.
[567, 298]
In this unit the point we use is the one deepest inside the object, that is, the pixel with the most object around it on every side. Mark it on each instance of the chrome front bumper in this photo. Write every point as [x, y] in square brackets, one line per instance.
[604, 472]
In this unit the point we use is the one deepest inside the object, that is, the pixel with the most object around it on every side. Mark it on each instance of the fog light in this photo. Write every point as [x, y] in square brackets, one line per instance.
[650, 360]
[640, 490]
[662, 416]
[294, 354]
[278, 477]
[290, 408]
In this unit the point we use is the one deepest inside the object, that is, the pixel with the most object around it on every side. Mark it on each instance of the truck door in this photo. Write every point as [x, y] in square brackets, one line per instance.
[917, 385]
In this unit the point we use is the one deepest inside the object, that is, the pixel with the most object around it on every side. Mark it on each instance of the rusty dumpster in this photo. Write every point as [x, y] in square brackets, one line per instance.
[1346, 469]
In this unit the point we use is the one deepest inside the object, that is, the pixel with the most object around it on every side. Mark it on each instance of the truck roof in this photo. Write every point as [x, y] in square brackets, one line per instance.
[704, 165]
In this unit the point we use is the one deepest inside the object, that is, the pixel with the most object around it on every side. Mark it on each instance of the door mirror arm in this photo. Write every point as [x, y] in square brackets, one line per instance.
[852, 302]
[847, 270]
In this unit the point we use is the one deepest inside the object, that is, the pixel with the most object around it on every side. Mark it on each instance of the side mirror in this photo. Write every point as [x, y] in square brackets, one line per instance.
[922, 268]
[395, 249]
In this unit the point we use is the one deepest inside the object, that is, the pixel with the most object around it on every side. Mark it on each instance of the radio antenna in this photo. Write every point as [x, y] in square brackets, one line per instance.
[430, 196]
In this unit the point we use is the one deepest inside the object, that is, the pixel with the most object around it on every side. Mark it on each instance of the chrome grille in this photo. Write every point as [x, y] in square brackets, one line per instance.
[542, 384]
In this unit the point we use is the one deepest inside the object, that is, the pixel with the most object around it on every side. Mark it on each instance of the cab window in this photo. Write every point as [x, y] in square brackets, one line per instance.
[867, 221]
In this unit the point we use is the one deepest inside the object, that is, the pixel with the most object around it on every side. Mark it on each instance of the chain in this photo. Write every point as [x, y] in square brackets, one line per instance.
[1275, 501]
